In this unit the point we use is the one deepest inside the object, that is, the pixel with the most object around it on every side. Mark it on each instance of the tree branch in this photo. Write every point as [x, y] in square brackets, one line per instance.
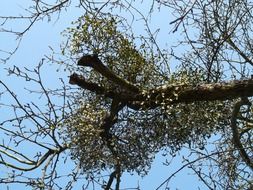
[118, 176]
[236, 136]
[94, 62]
[124, 97]
[35, 164]
[109, 184]
[240, 52]
[206, 92]
[170, 94]
[115, 174]
[79, 80]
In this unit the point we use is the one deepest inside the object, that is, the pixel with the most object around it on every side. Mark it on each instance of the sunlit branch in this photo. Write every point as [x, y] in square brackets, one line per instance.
[36, 163]
[15, 154]
[44, 170]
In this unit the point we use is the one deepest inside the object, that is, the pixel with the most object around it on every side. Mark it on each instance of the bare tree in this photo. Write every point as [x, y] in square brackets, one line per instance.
[129, 98]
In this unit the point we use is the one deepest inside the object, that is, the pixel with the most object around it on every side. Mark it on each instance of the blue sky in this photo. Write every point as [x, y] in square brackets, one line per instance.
[35, 45]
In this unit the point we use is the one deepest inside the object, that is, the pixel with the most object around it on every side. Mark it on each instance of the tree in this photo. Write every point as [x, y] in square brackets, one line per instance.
[128, 98]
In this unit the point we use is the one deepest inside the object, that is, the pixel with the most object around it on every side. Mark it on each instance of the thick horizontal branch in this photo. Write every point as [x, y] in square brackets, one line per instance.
[172, 94]
[94, 62]
[204, 92]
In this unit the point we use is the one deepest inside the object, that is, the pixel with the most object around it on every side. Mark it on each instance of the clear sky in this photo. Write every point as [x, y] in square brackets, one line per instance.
[35, 45]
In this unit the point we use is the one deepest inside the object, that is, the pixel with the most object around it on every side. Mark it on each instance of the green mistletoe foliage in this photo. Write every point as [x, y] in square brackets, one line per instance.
[135, 135]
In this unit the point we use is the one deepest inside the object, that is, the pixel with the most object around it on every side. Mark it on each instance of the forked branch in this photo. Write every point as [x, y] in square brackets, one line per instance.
[136, 98]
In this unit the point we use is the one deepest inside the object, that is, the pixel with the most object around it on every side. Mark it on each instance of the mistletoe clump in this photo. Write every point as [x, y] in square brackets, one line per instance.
[128, 111]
